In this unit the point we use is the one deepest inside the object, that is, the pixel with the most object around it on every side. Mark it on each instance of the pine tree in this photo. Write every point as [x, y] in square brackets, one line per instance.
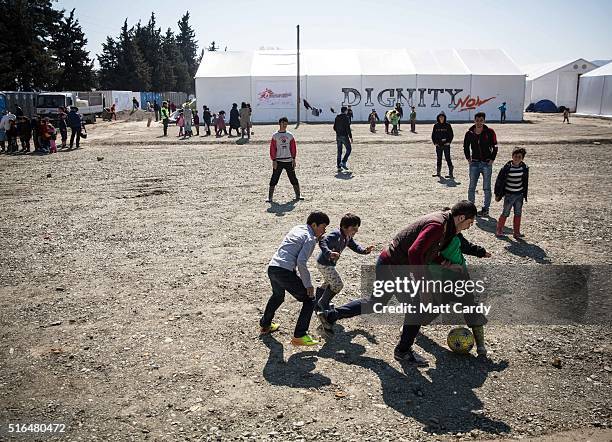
[148, 39]
[188, 49]
[109, 61]
[26, 27]
[75, 68]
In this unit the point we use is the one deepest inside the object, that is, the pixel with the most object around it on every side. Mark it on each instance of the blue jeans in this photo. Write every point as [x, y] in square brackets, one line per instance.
[342, 140]
[513, 200]
[477, 168]
[285, 280]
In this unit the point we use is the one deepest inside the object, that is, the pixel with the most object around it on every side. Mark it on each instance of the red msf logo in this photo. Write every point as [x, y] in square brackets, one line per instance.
[469, 103]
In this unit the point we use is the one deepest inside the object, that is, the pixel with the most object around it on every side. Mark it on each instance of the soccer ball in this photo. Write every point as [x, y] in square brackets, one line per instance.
[460, 340]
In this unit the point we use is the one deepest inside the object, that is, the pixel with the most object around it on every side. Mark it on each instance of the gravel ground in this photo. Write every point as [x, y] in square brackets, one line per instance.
[134, 274]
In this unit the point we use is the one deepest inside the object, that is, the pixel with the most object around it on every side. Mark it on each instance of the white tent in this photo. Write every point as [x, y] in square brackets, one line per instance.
[557, 82]
[458, 82]
[595, 92]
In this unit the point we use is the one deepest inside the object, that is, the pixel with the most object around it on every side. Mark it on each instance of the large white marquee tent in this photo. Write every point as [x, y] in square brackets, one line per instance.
[595, 92]
[459, 82]
[557, 82]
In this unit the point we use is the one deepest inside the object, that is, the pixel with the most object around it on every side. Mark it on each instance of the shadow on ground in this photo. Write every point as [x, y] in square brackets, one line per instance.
[446, 404]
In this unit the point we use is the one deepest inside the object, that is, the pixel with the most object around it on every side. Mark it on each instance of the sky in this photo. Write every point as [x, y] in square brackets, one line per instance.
[531, 32]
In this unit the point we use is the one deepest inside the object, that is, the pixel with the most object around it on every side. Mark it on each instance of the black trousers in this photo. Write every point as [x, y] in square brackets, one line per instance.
[276, 173]
[75, 131]
[165, 123]
[447, 157]
[283, 280]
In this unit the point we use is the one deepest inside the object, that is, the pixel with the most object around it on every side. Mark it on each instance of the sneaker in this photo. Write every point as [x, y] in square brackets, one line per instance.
[411, 357]
[484, 212]
[339, 169]
[450, 177]
[435, 174]
[327, 325]
[271, 329]
[305, 341]
[344, 166]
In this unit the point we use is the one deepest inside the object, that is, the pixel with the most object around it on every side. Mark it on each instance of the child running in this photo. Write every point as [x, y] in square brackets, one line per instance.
[332, 246]
[293, 253]
[512, 184]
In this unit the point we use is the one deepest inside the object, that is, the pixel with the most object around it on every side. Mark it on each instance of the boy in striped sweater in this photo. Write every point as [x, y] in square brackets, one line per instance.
[512, 184]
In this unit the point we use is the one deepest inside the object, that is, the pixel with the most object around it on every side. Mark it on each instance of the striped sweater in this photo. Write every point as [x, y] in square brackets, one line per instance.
[512, 179]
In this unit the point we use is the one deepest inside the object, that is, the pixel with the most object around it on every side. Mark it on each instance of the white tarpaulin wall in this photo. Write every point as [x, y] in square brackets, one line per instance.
[458, 82]
[557, 82]
[595, 92]
[123, 99]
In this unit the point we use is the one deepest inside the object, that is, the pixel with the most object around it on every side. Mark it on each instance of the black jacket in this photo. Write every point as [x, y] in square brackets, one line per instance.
[442, 133]
[500, 182]
[468, 248]
[481, 147]
[342, 126]
[234, 118]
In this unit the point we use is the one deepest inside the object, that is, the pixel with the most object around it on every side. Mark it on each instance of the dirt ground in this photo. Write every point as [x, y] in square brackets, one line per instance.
[134, 274]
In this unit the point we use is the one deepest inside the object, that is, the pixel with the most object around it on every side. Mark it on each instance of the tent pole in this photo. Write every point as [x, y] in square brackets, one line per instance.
[298, 78]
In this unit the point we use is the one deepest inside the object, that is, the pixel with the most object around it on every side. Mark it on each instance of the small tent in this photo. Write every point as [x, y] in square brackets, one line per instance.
[557, 82]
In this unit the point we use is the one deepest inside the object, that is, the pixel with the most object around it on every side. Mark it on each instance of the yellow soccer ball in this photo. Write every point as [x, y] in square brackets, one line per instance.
[460, 340]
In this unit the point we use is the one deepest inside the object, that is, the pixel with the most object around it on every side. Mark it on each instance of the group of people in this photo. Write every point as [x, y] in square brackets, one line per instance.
[18, 129]
[393, 118]
[188, 119]
[434, 239]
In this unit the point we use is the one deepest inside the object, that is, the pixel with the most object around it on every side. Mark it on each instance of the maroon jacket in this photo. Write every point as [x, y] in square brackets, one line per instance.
[421, 242]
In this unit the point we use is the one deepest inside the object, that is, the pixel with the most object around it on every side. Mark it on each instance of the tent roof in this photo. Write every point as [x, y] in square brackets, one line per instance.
[331, 62]
[606, 69]
[539, 70]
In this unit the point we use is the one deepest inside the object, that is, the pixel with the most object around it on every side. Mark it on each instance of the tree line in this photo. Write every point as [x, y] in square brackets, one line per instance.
[44, 48]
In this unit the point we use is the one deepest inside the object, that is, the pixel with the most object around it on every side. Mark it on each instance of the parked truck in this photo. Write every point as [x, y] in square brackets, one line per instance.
[48, 104]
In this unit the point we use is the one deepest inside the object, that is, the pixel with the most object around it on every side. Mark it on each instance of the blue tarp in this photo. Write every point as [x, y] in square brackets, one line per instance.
[546, 106]
[150, 97]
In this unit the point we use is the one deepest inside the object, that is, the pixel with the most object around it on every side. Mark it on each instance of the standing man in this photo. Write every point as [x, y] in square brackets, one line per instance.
[74, 123]
[207, 116]
[156, 110]
[417, 245]
[283, 151]
[442, 137]
[480, 149]
[502, 113]
[413, 120]
[344, 136]
[165, 117]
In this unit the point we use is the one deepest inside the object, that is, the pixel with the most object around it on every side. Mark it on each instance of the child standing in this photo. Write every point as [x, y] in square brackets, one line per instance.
[332, 245]
[387, 115]
[25, 133]
[196, 122]
[63, 128]
[53, 139]
[373, 118]
[180, 123]
[566, 115]
[290, 258]
[35, 125]
[394, 122]
[283, 151]
[11, 136]
[413, 120]
[512, 184]
[221, 124]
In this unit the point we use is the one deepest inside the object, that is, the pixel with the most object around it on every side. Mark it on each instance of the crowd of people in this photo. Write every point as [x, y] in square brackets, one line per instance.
[39, 133]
